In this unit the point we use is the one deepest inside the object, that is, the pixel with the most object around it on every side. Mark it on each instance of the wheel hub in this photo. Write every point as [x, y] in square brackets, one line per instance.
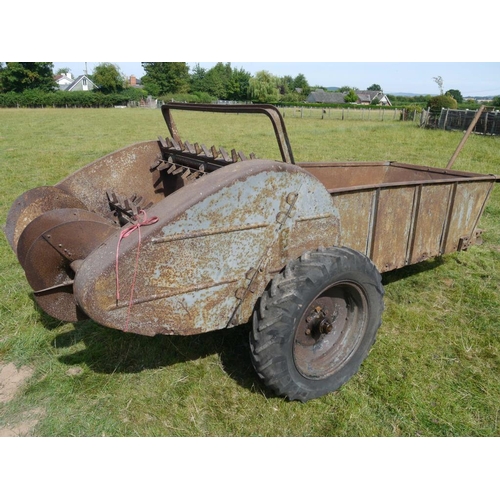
[329, 330]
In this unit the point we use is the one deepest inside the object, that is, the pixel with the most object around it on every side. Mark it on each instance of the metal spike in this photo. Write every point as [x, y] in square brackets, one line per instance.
[224, 154]
[190, 147]
[175, 145]
[206, 151]
[234, 155]
[162, 142]
[242, 156]
[173, 166]
[214, 151]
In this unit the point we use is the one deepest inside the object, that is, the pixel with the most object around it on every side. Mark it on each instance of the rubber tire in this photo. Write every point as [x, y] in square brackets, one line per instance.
[278, 321]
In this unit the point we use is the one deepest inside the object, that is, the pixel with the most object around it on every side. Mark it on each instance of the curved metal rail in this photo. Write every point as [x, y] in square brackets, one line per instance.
[267, 109]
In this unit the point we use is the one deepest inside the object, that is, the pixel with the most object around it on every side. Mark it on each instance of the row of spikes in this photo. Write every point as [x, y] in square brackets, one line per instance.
[201, 150]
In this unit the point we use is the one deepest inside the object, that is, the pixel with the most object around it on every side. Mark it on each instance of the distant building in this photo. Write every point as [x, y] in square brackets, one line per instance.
[63, 80]
[81, 83]
[134, 82]
[368, 96]
[320, 96]
[365, 97]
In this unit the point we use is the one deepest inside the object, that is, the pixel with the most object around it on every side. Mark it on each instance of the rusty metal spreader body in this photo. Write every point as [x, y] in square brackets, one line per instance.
[169, 237]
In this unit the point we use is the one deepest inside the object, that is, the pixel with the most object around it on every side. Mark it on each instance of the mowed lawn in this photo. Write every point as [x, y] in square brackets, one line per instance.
[433, 371]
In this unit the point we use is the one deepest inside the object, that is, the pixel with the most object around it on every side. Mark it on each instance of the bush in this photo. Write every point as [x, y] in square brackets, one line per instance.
[410, 111]
[195, 97]
[438, 102]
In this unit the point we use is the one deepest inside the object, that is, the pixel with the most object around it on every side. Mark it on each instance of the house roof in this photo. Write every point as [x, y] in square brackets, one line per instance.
[327, 97]
[77, 80]
[369, 95]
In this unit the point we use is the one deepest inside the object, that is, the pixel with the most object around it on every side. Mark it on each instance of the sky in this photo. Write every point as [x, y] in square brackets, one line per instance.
[400, 48]
[471, 78]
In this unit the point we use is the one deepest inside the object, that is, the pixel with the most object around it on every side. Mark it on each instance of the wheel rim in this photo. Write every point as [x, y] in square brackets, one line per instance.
[330, 330]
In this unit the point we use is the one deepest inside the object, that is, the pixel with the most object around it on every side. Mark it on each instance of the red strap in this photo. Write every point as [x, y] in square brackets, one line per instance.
[144, 221]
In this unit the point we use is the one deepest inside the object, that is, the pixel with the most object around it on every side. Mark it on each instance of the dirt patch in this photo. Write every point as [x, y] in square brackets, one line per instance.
[28, 421]
[11, 380]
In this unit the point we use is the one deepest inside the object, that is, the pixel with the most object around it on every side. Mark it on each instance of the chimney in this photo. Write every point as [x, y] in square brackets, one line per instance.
[133, 81]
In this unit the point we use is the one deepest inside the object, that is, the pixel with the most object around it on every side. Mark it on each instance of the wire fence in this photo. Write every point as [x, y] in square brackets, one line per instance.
[460, 119]
[381, 113]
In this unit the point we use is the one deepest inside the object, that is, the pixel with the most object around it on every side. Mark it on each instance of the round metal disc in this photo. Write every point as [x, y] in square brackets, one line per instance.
[33, 203]
[47, 221]
[47, 263]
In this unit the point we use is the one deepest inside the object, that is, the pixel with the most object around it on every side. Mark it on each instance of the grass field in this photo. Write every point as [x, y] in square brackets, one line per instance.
[434, 370]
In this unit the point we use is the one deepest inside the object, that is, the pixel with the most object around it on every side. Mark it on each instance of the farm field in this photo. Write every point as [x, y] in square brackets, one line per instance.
[433, 371]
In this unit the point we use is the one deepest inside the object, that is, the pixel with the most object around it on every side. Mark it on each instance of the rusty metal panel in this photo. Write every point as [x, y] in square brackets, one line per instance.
[466, 208]
[355, 213]
[430, 224]
[195, 265]
[125, 171]
[392, 227]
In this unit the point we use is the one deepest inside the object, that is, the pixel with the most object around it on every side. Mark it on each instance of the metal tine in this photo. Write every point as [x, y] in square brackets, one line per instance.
[190, 147]
[206, 151]
[234, 155]
[173, 166]
[148, 206]
[242, 156]
[112, 197]
[252, 156]
[169, 142]
[163, 142]
[186, 173]
[175, 145]
[197, 147]
[224, 154]
[214, 151]
[178, 170]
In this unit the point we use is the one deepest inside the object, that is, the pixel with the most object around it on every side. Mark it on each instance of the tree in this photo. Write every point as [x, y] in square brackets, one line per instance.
[263, 87]
[345, 89]
[197, 79]
[241, 81]
[20, 76]
[300, 82]
[438, 102]
[108, 78]
[456, 94]
[62, 71]
[218, 81]
[351, 96]
[496, 101]
[439, 81]
[286, 84]
[375, 86]
[165, 77]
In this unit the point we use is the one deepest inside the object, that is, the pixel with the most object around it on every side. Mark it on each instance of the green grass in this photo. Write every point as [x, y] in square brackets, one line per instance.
[434, 370]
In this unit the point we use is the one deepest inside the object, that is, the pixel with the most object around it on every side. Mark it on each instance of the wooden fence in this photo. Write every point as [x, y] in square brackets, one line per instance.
[382, 113]
[460, 119]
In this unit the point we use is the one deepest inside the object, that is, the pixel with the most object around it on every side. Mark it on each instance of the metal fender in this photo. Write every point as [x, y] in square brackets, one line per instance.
[213, 247]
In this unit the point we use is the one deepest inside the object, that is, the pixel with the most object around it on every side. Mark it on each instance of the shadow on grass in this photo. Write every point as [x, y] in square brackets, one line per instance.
[414, 269]
[110, 351]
